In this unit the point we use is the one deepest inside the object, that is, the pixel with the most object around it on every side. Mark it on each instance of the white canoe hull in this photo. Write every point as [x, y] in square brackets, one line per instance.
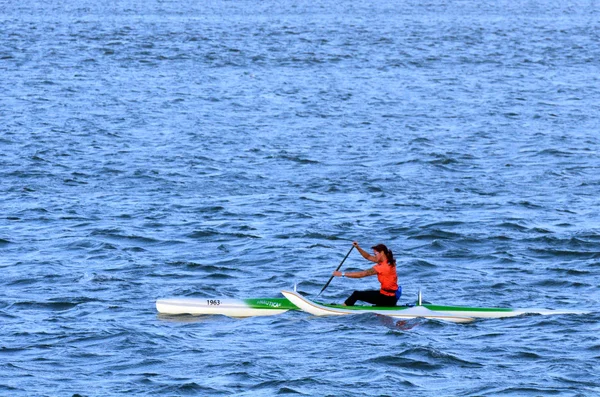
[294, 301]
[226, 307]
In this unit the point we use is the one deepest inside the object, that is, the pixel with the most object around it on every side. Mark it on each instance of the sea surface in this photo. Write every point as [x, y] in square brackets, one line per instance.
[230, 149]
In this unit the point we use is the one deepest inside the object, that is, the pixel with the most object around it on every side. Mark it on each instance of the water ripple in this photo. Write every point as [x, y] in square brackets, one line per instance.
[232, 149]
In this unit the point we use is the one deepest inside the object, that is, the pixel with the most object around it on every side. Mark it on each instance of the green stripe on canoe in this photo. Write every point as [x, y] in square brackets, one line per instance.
[284, 304]
[437, 308]
[271, 303]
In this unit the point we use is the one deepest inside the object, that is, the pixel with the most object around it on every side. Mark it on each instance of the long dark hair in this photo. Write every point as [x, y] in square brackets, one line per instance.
[388, 253]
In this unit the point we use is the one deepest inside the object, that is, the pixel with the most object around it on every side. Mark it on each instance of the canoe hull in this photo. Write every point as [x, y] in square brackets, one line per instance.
[226, 307]
[294, 301]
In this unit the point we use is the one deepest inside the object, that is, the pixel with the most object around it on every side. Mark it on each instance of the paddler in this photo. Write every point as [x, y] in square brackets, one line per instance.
[385, 269]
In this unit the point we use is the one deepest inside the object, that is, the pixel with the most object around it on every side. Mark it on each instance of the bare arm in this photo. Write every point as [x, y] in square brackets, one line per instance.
[364, 273]
[364, 253]
[361, 274]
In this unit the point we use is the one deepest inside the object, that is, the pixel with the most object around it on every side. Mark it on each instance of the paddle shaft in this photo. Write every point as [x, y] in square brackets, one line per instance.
[338, 268]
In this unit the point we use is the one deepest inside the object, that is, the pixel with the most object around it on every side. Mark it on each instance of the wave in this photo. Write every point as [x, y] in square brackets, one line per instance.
[434, 234]
[117, 234]
[565, 253]
[199, 234]
[554, 153]
[561, 283]
[420, 264]
[58, 306]
[423, 358]
[513, 226]
[299, 159]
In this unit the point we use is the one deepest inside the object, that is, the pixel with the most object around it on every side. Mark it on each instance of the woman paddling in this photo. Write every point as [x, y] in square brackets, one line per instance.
[385, 269]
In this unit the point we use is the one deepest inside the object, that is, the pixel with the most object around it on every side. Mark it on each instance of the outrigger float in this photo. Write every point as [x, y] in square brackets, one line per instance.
[226, 307]
[295, 301]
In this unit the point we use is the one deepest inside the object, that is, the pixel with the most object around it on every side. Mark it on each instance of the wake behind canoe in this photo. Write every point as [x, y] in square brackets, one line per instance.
[226, 307]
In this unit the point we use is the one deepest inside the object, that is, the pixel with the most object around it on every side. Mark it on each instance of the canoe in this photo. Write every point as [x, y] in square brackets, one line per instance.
[439, 312]
[226, 307]
[295, 301]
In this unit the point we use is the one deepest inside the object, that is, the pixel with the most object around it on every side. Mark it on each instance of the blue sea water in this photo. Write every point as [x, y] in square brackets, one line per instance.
[233, 148]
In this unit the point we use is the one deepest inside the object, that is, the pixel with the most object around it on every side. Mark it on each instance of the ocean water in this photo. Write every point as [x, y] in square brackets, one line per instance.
[151, 149]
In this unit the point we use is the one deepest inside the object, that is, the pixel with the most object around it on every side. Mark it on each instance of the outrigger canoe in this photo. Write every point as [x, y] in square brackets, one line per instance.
[295, 301]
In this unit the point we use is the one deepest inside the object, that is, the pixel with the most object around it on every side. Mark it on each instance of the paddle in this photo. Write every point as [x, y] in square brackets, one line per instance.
[338, 268]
